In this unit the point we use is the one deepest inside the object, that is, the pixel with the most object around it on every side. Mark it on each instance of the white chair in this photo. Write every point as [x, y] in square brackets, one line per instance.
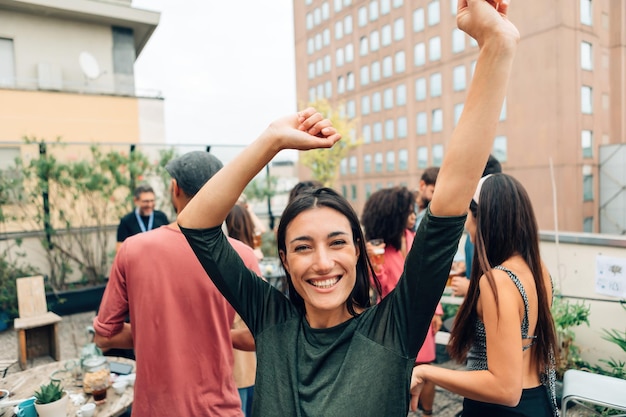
[585, 387]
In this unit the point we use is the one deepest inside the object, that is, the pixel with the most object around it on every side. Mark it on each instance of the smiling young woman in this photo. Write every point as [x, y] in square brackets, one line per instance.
[325, 350]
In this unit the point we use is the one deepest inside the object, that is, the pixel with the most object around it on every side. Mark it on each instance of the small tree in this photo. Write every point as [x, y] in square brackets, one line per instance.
[324, 163]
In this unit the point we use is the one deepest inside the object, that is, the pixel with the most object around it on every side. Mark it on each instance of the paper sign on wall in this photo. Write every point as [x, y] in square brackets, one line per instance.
[611, 276]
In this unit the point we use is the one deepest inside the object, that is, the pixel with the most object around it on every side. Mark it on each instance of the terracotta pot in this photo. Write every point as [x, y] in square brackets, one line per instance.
[55, 409]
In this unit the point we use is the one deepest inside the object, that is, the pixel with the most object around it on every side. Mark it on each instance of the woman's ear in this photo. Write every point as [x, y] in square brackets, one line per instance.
[283, 259]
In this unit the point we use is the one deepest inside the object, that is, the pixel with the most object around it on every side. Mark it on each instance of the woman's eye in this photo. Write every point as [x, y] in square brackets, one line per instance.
[300, 248]
[338, 242]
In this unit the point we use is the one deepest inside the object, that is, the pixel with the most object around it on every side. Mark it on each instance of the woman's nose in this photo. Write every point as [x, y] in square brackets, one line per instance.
[323, 260]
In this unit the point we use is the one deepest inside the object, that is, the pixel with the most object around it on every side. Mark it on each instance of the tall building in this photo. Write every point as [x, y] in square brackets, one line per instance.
[67, 70]
[401, 69]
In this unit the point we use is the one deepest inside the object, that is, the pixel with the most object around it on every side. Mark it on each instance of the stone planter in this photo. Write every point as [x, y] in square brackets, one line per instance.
[75, 301]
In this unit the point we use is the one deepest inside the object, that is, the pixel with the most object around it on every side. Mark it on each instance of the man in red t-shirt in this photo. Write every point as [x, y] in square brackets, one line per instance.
[181, 324]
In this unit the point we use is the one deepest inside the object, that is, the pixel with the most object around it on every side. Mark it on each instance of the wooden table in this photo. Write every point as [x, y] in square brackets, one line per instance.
[23, 384]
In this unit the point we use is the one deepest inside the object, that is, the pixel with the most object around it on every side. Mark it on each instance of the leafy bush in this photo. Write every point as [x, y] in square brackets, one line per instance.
[566, 316]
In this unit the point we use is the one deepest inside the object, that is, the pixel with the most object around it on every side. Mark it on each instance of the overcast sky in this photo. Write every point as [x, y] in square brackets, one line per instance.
[225, 68]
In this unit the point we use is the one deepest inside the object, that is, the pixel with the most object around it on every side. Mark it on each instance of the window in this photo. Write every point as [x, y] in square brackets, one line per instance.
[386, 35]
[422, 123]
[339, 57]
[327, 63]
[458, 40]
[586, 16]
[351, 109]
[458, 109]
[367, 133]
[341, 85]
[325, 11]
[433, 13]
[387, 67]
[586, 56]
[503, 110]
[353, 189]
[309, 21]
[397, 3]
[586, 99]
[349, 52]
[420, 89]
[375, 71]
[401, 95]
[374, 41]
[368, 191]
[403, 160]
[587, 187]
[586, 142]
[435, 84]
[378, 162]
[500, 148]
[317, 16]
[434, 48]
[376, 102]
[347, 25]
[320, 90]
[319, 67]
[310, 46]
[402, 127]
[365, 75]
[353, 165]
[391, 161]
[437, 122]
[337, 4]
[389, 129]
[350, 82]
[312, 96]
[362, 16]
[385, 7]
[318, 42]
[367, 163]
[378, 132]
[418, 20]
[400, 62]
[437, 155]
[420, 54]
[422, 157]
[373, 10]
[311, 70]
[365, 105]
[388, 98]
[338, 30]
[588, 225]
[326, 37]
[458, 78]
[398, 29]
[363, 46]
[343, 166]
[344, 191]
[328, 88]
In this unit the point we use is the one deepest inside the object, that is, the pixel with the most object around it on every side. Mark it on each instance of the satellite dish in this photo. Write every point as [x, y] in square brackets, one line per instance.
[89, 65]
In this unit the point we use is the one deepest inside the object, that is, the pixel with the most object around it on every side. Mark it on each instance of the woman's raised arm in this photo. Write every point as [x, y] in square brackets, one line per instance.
[302, 131]
[472, 140]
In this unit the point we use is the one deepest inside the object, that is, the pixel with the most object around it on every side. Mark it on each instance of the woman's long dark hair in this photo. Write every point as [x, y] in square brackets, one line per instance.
[240, 225]
[385, 215]
[505, 226]
[327, 197]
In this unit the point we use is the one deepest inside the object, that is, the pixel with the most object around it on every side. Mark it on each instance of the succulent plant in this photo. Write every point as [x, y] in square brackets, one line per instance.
[49, 393]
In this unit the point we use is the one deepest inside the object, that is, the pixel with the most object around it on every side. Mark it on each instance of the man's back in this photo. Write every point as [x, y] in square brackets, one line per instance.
[180, 325]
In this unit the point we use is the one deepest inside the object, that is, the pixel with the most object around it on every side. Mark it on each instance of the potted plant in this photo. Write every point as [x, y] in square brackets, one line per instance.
[51, 400]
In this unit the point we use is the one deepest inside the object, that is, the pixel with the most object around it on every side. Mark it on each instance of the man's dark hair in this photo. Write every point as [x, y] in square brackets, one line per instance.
[493, 166]
[429, 176]
[143, 188]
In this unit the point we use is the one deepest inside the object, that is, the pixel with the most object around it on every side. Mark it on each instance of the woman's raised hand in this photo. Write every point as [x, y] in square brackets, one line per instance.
[307, 129]
[486, 19]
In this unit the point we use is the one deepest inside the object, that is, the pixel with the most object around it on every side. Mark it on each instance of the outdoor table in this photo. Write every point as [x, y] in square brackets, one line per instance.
[23, 385]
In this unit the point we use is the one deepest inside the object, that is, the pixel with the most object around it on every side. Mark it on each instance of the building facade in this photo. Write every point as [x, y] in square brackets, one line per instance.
[67, 71]
[401, 69]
